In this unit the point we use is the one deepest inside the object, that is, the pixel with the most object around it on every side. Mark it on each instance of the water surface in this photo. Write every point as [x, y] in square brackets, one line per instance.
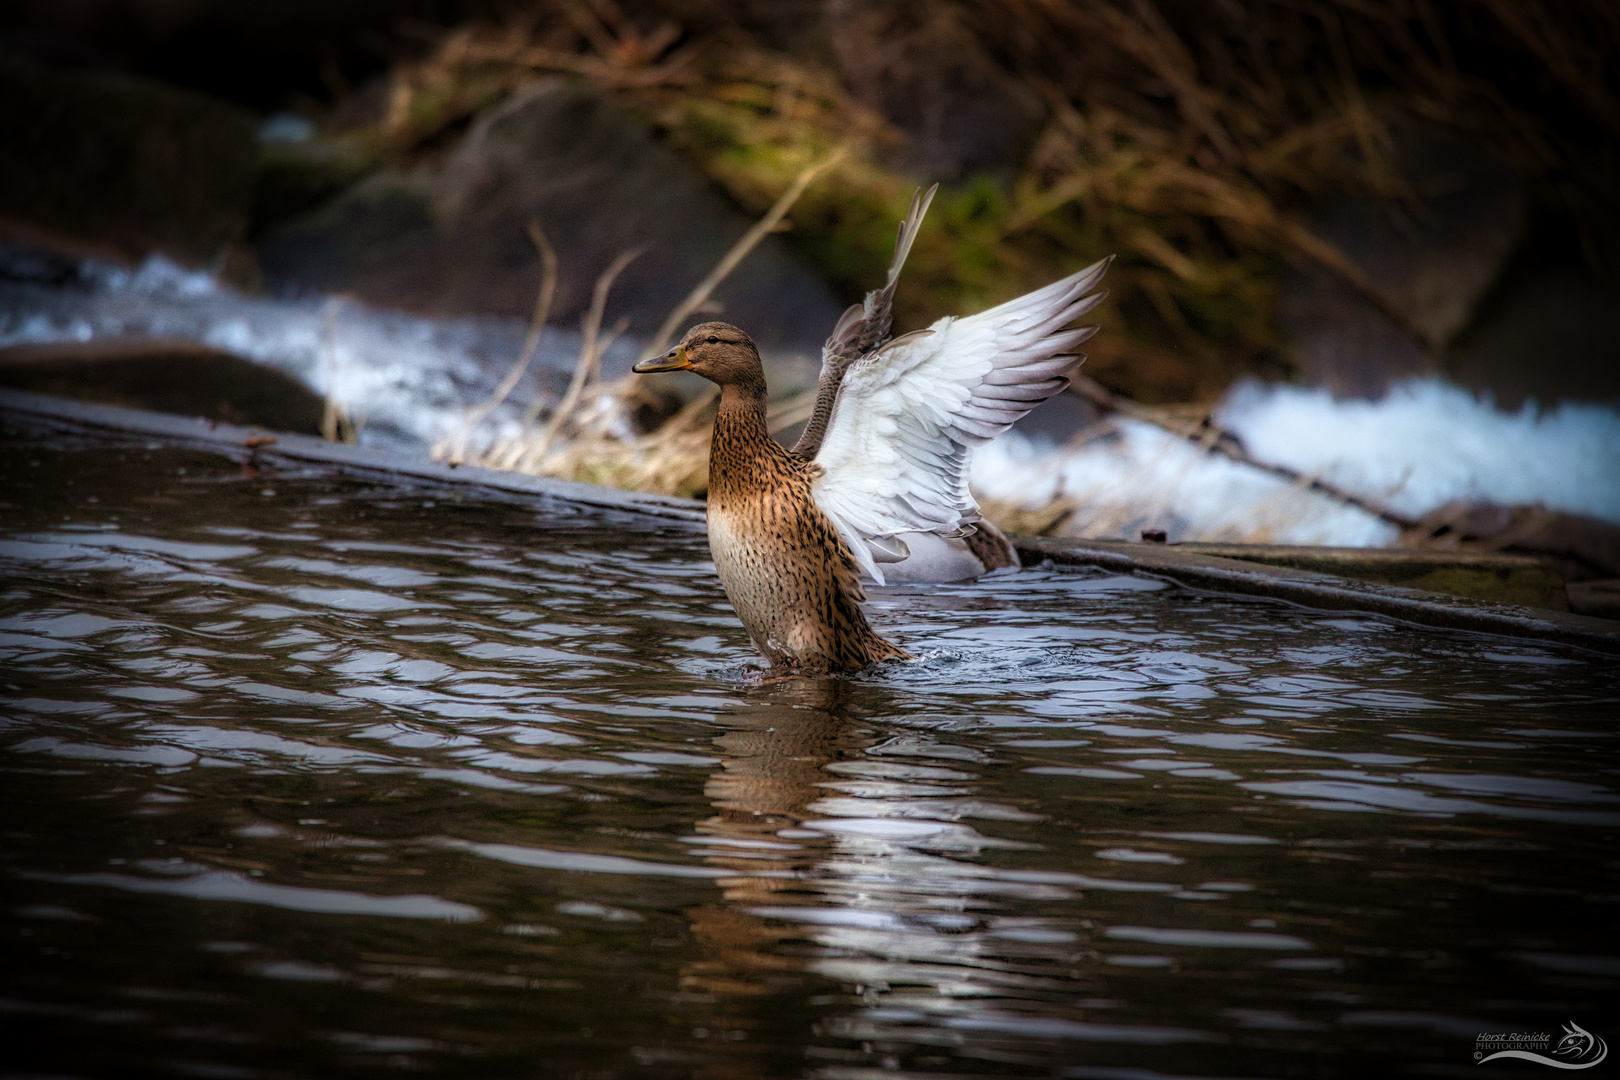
[306, 776]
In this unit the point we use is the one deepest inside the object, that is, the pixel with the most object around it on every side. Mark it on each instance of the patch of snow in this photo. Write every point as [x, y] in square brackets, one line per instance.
[1421, 446]
[1426, 443]
[1142, 477]
[156, 276]
[408, 380]
[285, 127]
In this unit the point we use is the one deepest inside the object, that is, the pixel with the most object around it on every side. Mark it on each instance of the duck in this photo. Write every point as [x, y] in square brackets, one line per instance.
[880, 474]
[861, 330]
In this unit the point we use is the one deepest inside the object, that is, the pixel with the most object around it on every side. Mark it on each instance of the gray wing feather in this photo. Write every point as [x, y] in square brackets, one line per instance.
[862, 329]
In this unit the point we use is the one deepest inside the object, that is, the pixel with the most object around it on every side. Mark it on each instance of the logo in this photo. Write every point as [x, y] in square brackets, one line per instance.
[1578, 1049]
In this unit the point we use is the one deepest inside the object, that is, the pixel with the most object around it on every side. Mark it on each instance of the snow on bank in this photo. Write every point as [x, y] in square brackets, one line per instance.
[1421, 446]
[408, 379]
[411, 380]
[1427, 442]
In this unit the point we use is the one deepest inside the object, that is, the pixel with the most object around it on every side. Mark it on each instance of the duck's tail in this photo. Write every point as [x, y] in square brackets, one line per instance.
[884, 649]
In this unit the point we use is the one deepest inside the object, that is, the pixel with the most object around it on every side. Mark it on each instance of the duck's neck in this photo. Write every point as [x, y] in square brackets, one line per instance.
[742, 449]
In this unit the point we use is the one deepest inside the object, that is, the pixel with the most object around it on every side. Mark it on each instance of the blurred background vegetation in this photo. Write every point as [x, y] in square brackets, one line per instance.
[1206, 142]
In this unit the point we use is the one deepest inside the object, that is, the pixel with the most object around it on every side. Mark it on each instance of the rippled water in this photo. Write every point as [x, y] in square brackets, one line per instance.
[308, 777]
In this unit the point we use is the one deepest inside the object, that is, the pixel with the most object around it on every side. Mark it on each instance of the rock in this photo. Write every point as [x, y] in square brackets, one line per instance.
[298, 176]
[169, 375]
[1550, 335]
[121, 165]
[1342, 341]
[1582, 548]
[1492, 576]
[1433, 259]
[450, 237]
[1597, 598]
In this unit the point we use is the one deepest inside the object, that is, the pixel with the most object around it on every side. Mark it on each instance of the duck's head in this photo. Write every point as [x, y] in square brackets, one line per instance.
[717, 351]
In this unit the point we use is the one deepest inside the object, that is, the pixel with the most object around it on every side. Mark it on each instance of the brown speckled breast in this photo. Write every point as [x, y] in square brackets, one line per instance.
[789, 576]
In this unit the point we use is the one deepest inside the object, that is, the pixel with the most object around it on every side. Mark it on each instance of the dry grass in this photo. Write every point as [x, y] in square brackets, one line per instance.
[1181, 134]
[598, 447]
[589, 436]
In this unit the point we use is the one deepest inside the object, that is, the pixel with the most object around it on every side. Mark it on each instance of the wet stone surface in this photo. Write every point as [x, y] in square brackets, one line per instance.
[308, 777]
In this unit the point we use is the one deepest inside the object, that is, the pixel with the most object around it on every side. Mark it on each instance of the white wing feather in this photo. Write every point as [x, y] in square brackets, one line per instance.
[895, 456]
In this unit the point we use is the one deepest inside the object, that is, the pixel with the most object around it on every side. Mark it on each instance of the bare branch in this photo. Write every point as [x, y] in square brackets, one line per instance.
[589, 352]
[739, 251]
[336, 423]
[537, 325]
[1207, 434]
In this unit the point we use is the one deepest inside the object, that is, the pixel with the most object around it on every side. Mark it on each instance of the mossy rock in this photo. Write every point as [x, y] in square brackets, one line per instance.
[124, 164]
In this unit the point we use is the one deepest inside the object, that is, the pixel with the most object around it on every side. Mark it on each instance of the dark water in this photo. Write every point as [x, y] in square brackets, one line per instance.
[305, 777]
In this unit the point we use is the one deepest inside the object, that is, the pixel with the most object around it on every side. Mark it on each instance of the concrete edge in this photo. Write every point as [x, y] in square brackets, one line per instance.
[1303, 587]
[246, 442]
[1280, 554]
[1325, 591]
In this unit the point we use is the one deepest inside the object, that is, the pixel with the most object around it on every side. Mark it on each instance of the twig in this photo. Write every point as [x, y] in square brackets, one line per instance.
[1211, 437]
[537, 323]
[678, 423]
[336, 424]
[531, 344]
[589, 353]
[739, 251]
[1158, 46]
[1582, 86]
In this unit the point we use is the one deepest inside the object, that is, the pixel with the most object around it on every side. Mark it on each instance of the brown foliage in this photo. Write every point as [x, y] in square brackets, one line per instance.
[1184, 135]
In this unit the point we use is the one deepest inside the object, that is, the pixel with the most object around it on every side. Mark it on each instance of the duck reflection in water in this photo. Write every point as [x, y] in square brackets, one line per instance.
[854, 891]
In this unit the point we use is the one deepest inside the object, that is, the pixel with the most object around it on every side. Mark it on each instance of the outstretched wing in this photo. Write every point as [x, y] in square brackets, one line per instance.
[862, 328]
[895, 456]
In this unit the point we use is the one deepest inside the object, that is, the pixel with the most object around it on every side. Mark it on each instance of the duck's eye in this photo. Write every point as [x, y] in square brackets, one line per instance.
[713, 340]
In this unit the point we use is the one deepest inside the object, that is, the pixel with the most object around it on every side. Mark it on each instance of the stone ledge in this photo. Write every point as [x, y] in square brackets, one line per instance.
[1330, 592]
[1521, 580]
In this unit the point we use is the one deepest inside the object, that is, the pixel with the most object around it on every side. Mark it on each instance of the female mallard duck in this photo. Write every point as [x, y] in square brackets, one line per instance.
[885, 454]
